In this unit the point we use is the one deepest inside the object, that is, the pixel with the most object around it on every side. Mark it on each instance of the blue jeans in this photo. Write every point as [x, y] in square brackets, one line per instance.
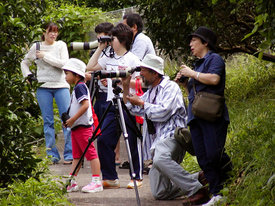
[45, 100]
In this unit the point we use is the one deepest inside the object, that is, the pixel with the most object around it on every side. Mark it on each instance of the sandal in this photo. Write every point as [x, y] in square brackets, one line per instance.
[125, 165]
[67, 162]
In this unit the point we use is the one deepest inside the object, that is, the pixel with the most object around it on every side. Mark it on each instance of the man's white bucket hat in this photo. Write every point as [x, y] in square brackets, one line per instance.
[75, 65]
[153, 62]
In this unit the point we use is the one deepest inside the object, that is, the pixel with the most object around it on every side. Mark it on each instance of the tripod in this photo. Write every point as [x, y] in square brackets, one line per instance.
[118, 104]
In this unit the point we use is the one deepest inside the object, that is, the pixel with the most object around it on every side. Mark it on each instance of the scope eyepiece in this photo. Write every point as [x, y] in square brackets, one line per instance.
[105, 39]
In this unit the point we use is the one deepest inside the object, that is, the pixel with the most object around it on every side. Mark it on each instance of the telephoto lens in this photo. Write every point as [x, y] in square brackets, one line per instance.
[112, 74]
[83, 45]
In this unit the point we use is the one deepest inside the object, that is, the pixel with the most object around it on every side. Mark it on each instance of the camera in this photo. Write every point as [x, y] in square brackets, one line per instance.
[112, 74]
[183, 79]
[65, 116]
[31, 78]
[150, 126]
[90, 45]
[83, 45]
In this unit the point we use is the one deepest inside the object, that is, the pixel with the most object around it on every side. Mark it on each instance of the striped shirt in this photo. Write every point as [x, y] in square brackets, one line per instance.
[165, 109]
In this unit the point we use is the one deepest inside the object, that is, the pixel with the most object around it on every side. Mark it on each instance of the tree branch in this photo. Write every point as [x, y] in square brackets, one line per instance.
[250, 50]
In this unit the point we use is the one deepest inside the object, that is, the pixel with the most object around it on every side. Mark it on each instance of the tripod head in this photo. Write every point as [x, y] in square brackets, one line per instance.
[116, 89]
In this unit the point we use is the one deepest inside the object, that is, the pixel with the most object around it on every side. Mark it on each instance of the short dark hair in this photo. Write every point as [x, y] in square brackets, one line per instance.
[124, 35]
[132, 19]
[104, 27]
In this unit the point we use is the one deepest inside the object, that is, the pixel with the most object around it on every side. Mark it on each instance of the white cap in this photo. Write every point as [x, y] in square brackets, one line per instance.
[75, 65]
[153, 62]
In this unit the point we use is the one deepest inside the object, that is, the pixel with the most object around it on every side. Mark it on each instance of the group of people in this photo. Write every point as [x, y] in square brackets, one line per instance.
[162, 107]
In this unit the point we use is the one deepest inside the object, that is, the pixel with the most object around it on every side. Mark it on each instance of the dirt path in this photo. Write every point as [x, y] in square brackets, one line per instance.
[109, 197]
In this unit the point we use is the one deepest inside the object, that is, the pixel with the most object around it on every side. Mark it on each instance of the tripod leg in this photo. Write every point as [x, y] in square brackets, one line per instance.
[125, 134]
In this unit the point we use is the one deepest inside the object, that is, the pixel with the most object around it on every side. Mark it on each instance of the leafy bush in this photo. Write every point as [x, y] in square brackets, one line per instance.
[43, 190]
[76, 24]
[19, 23]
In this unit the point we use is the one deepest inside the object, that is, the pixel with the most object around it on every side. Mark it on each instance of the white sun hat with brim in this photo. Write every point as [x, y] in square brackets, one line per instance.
[75, 65]
[153, 62]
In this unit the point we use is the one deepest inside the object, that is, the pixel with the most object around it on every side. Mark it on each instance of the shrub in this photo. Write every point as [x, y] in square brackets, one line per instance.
[43, 190]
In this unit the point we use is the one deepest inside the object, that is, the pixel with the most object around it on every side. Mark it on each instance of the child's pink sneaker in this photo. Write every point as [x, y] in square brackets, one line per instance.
[93, 187]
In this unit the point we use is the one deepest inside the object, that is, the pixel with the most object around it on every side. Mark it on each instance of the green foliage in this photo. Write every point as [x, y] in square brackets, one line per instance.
[252, 144]
[251, 140]
[174, 21]
[264, 22]
[76, 24]
[247, 76]
[44, 190]
[110, 5]
[19, 23]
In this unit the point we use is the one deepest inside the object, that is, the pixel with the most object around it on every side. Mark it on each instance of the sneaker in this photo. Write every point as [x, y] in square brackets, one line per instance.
[132, 186]
[73, 187]
[215, 200]
[111, 184]
[93, 187]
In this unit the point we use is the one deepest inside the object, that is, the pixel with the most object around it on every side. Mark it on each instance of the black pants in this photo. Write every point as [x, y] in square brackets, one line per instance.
[208, 141]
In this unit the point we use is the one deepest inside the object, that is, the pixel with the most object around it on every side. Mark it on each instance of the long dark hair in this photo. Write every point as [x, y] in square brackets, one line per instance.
[51, 26]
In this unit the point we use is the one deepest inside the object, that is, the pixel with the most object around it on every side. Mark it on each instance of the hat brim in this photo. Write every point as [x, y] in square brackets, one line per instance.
[152, 68]
[213, 47]
[76, 72]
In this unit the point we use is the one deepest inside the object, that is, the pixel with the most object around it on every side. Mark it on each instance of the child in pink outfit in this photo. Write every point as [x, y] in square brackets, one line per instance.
[81, 123]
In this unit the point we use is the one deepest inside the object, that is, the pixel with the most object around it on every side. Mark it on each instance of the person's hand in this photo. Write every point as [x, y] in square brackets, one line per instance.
[88, 76]
[178, 76]
[126, 81]
[186, 71]
[135, 100]
[104, 82]
[69, 122]
[102, 45]
[40, 54]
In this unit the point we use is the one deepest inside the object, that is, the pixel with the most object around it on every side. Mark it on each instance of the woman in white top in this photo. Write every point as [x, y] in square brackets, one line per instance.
[121, 59]
[49, 56]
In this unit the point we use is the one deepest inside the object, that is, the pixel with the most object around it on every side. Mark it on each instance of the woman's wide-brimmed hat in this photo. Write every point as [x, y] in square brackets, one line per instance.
[207, 35]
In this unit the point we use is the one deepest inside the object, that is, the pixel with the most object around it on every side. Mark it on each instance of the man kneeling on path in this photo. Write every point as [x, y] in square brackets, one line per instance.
[163, 109]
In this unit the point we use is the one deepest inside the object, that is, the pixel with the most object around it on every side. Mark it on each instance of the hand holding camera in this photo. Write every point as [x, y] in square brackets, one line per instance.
[31, 78]
[64, 117]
